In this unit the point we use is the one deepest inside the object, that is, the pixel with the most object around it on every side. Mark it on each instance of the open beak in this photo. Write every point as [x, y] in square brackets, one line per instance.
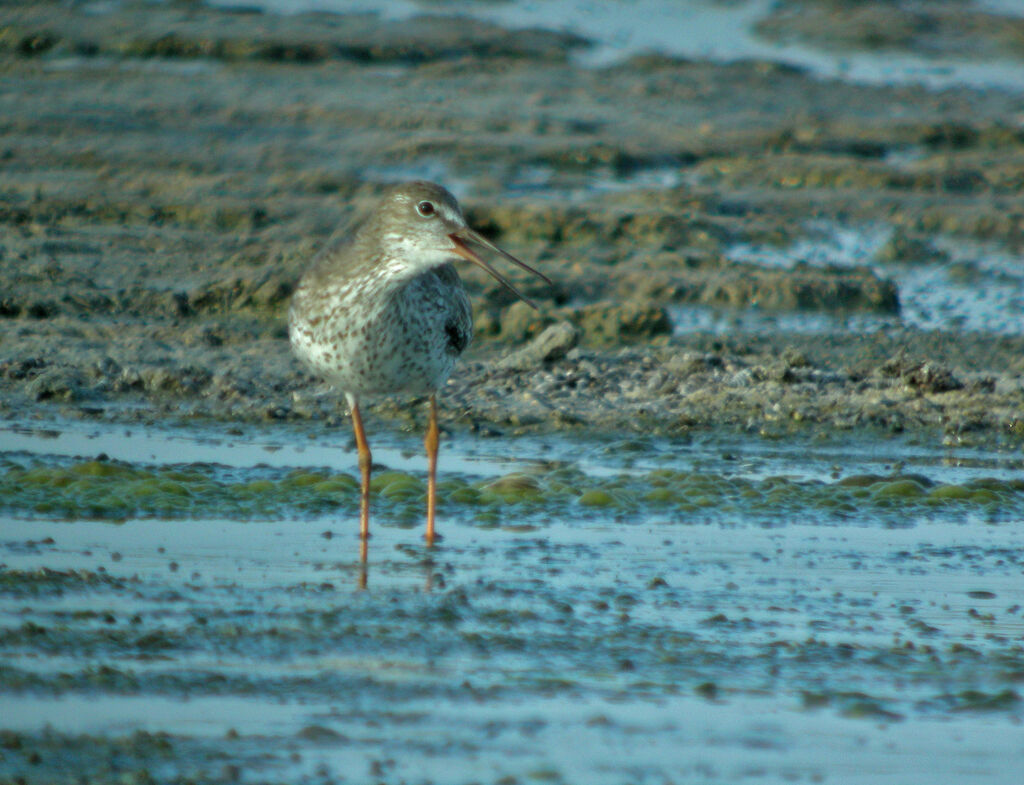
[461, 249]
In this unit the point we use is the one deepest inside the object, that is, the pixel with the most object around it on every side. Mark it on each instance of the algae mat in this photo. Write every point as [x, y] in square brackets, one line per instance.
[188, 605]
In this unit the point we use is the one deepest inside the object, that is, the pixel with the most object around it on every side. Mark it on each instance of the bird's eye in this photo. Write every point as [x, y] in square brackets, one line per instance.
[426, 209]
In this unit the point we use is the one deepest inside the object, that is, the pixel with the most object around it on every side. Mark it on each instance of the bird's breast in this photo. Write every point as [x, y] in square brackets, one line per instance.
[383, 334]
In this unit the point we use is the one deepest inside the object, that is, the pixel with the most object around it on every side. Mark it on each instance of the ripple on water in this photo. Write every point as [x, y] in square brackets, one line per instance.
[763, 624]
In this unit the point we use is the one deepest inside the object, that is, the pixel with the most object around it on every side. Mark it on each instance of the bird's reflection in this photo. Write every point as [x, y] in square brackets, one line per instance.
[427, 563]
[364, 569]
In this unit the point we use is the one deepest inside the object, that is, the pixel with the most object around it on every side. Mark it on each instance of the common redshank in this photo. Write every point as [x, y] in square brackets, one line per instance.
[384, 311]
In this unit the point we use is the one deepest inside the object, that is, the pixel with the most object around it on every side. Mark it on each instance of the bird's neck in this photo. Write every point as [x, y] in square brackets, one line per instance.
[400, 261]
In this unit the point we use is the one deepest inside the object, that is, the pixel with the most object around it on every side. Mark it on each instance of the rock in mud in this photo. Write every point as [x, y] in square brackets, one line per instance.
[802, 288]
[519, 322]
[551, 345]
[57, 384]
[907, 248]
[931, 378]
[609, 323]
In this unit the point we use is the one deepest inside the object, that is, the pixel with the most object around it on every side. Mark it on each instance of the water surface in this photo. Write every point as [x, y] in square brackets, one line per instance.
[779, 638]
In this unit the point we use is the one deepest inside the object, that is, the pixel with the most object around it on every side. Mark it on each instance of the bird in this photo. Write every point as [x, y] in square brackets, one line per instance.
[383, 310]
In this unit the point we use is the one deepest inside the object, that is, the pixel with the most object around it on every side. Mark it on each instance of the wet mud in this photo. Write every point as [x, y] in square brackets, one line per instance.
[743, 493]
[166, 179]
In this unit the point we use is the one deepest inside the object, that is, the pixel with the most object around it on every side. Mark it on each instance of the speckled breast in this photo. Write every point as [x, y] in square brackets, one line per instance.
[372, 337]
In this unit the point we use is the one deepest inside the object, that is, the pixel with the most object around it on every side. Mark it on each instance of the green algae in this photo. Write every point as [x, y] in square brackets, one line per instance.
[398, 486]
[898, 488]
[596, 497]
[115, 491]
[979, 701]
[864, 707]
[55, 583]
[949, 492]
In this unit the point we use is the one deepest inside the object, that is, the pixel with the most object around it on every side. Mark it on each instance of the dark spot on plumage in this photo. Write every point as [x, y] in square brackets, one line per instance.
[458, 338]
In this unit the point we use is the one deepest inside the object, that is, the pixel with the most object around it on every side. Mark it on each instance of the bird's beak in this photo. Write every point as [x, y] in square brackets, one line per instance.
[461, 249]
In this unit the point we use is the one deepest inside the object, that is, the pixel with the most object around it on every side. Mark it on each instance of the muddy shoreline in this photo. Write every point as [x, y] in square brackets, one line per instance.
[741, 502]
[168, 172]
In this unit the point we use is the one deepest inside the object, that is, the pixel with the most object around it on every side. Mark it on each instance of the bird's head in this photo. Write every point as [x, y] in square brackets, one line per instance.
[423, 225]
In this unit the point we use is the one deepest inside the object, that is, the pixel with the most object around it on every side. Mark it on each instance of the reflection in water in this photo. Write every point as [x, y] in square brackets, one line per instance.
[363, 565]
[431, 580]
[428, 572]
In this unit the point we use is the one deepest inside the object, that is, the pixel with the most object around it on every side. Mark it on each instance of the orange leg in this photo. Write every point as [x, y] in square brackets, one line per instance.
[431, 442]
[365, 461]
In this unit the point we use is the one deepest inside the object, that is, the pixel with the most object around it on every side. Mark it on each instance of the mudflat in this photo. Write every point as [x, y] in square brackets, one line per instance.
[168, 172]
[741, 501]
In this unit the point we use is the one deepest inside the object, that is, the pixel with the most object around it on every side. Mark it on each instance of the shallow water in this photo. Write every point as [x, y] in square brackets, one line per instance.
[770, 636]
[967, 286]
[698, 29]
